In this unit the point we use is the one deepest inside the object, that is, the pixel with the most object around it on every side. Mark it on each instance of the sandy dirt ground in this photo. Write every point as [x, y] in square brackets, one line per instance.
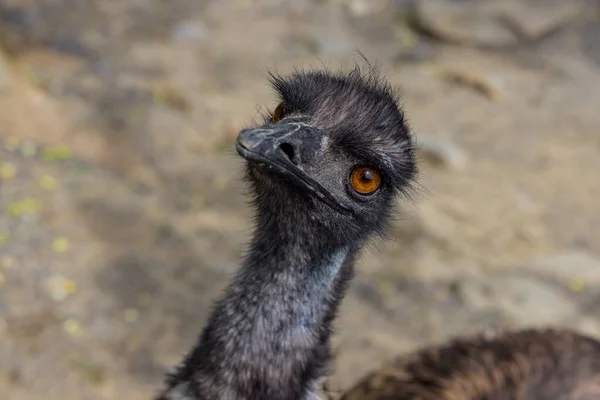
[122, 214]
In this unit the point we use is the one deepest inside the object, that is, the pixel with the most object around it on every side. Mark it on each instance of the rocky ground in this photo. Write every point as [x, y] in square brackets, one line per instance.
[122, 215]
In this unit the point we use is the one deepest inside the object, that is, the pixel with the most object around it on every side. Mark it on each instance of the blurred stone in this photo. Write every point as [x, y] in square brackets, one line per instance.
[534, 20]
[483, 83]
[334, 45]
[590, 40]
[191, 30]
[420, 52]
[567, 266]
[492, 23]
[458, 23]
[441, 153]
[522, 300]
[359, 8]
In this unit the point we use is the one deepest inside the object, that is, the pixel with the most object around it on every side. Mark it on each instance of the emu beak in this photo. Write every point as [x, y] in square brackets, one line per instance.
[281, 148]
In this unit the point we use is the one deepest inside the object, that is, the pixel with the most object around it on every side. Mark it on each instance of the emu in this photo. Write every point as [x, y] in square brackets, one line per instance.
[325, 168]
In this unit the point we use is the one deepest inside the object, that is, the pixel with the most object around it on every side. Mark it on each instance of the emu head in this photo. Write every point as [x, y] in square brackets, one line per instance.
[332, 156]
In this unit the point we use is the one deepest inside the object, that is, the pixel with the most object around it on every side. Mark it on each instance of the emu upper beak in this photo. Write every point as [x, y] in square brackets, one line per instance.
[282, 147]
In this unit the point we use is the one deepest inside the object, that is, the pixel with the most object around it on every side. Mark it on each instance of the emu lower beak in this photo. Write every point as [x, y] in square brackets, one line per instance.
[281, 148]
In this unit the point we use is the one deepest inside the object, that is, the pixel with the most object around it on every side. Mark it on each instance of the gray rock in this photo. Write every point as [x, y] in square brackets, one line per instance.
[360, 8]
[191, 31]
[334, 45]
[521, 300]
[463, 24]
[441, 152]
[590, 40]
[492, 23]
[569, 265]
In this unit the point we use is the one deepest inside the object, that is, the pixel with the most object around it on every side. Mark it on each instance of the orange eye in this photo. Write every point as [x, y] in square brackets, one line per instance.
[278, 114]
[365, 180]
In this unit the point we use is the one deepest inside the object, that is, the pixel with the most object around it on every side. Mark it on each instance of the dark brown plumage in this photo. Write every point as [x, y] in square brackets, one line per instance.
[522, 365]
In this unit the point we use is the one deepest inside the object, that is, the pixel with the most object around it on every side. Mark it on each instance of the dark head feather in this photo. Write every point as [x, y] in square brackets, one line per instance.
[360, 111]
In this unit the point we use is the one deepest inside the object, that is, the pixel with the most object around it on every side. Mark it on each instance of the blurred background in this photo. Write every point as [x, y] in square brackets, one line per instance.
[122, 214]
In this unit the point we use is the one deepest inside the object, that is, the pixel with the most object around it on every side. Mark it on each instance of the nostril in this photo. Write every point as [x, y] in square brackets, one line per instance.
[288, 150]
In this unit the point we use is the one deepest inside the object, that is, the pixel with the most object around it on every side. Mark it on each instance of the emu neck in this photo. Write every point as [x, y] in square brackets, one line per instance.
[268, 337]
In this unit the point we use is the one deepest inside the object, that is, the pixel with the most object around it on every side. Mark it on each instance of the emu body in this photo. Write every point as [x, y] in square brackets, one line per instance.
[268, 337]
[522, 365]
[325, 169]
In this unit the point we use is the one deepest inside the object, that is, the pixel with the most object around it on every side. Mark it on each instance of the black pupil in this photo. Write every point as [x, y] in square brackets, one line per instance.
[366, 175]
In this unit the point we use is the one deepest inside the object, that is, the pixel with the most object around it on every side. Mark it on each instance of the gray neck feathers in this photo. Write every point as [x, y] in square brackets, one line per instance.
[268, 337]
